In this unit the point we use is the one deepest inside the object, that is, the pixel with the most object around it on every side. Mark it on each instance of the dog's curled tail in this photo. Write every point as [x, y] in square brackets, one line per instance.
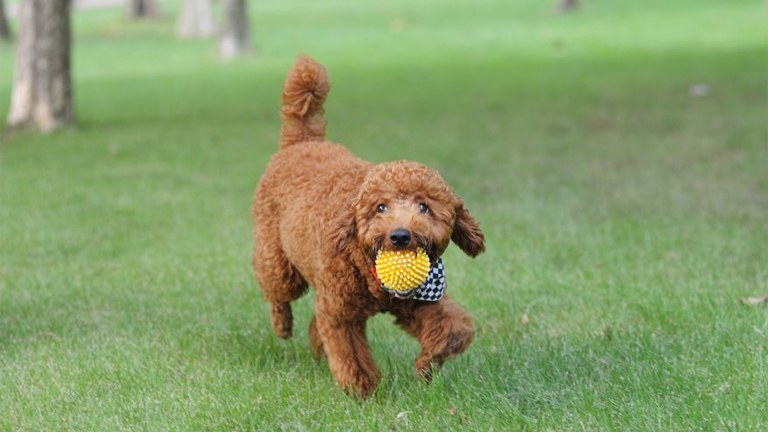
[304, 92]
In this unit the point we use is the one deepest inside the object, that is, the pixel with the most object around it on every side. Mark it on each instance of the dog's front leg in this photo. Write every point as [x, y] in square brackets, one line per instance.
[345, 345]
[444, 329]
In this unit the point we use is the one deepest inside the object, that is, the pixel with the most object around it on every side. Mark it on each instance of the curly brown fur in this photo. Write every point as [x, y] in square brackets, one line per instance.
[320, 217]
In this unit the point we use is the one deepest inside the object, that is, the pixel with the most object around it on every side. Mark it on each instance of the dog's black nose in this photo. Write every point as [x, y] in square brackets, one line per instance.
[400, 237]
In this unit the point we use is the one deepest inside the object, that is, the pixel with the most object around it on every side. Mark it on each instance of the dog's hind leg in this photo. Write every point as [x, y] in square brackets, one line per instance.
[315, 341]
[281, 283]
[279, 280]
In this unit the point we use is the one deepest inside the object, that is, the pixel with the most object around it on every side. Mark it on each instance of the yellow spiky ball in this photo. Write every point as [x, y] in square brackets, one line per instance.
[402, 270]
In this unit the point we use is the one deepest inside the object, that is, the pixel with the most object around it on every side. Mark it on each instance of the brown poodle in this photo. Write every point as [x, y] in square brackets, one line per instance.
[321, 215]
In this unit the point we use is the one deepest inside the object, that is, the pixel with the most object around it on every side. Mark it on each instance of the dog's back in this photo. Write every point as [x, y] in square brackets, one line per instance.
[307, 182]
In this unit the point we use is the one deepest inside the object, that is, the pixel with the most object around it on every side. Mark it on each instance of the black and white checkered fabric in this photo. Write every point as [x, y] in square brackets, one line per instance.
[433, 289]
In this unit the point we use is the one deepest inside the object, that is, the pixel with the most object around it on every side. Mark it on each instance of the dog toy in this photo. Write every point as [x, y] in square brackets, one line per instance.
[402, 270]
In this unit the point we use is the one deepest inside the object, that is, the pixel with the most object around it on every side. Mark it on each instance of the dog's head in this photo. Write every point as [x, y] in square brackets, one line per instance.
[406, 205]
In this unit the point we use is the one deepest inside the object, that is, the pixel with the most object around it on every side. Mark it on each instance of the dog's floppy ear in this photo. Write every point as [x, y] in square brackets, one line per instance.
[343, 232]
[466, 232]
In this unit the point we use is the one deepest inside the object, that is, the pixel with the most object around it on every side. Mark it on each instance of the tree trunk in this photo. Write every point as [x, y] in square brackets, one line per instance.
[196, 19]
[42, 86]
[5, 29]
[235, 37]
[567, 5]
[136, 9]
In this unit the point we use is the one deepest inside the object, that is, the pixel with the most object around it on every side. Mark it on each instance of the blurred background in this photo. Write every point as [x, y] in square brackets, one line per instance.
[615, 153]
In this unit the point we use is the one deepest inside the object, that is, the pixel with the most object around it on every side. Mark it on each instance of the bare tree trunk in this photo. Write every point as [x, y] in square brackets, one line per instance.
[135, 9]
[567, 5]
[42, 86]
[196, 19]
[5, 29]
[235, 37]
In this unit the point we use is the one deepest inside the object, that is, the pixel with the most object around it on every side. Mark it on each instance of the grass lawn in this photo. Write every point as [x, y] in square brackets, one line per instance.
[625, 219]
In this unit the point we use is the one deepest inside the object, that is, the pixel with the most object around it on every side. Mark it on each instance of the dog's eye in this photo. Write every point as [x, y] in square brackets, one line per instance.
[423, 209]
[381, 208]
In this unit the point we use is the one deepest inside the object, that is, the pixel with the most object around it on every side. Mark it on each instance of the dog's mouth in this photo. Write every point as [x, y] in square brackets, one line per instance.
[398, 273]
[380, 243]
[399, 294]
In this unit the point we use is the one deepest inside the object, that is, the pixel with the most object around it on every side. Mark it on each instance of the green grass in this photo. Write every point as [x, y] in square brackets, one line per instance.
[625, 217]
